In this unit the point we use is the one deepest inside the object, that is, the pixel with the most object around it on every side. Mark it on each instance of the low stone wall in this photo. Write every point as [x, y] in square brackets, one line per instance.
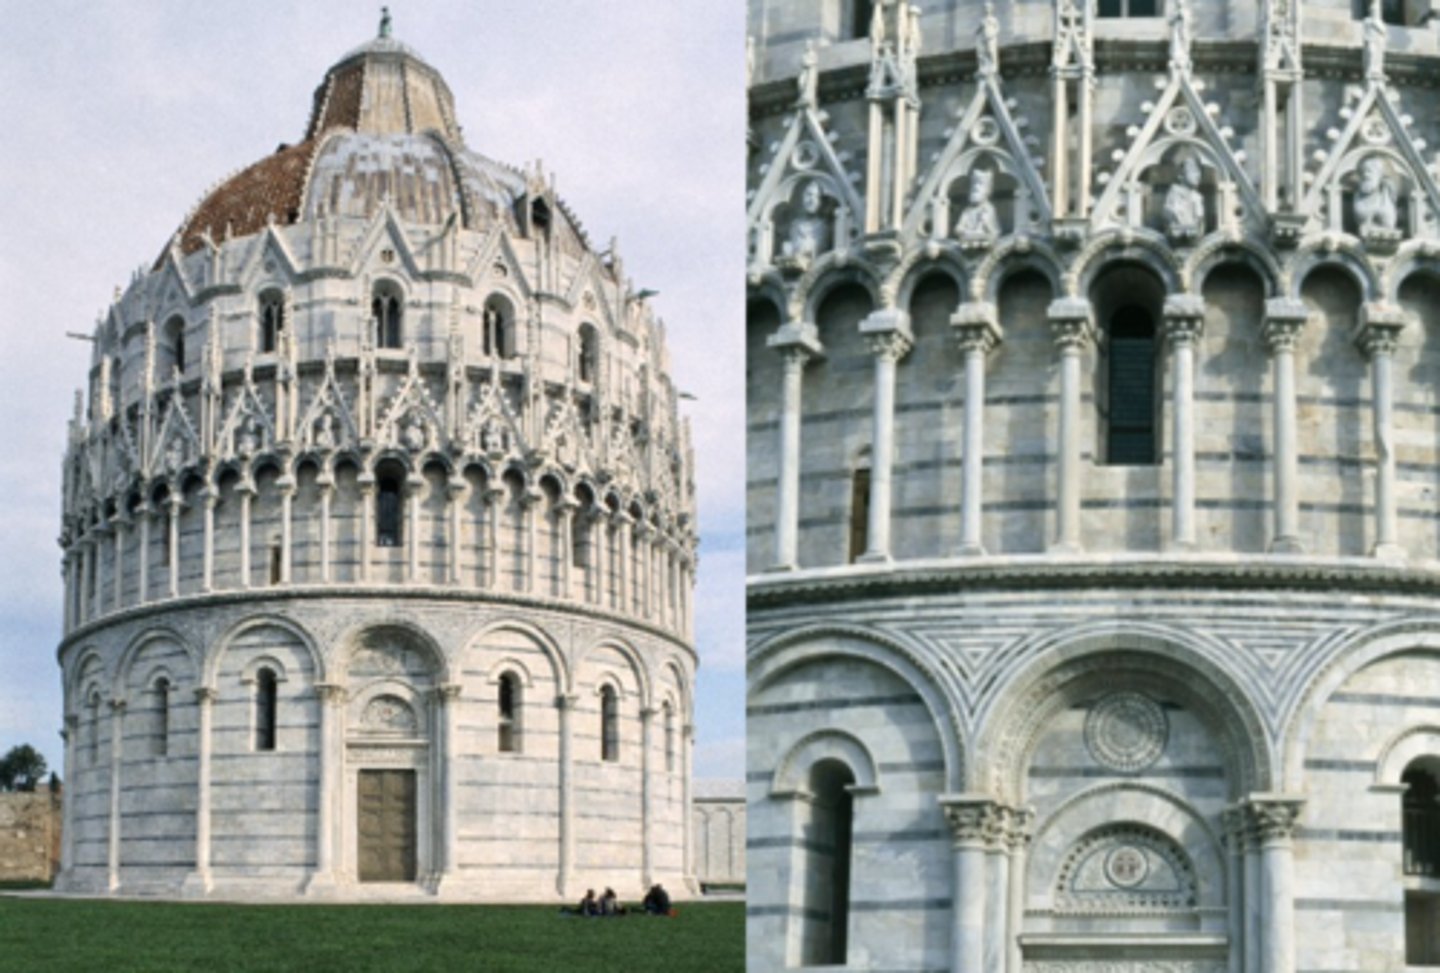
[29, 836]
[719, 832]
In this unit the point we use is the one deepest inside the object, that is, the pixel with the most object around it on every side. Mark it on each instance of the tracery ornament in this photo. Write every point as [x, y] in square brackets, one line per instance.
[389, 714]
[1126, 869]
[1126, 732]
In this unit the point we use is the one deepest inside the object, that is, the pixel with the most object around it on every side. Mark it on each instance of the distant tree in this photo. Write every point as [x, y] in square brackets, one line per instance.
[21, 768]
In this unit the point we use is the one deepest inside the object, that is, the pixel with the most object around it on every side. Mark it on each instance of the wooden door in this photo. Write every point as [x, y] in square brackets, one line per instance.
[386, 816]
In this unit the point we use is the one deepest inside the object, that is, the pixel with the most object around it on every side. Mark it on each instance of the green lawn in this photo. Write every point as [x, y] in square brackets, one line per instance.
[89, 936]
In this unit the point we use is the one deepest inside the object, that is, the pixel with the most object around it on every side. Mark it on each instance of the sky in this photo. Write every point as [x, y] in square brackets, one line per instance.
[117, 117]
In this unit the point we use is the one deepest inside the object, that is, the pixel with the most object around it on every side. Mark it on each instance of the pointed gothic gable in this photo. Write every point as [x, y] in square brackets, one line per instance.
[496, 263]
[492, 425]
[412, 420]
[804, 155]
[590, 280]
[176, 442]
[171, 287]
[1177, 123]
[268, 247]
[565, 440]
[986, 134]
[248, 427]
[1374, 128]
[328, 422]
[384, 232]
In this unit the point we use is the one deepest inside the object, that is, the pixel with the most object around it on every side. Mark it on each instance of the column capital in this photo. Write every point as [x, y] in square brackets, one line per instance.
[1072, 322]
[566, 701]
[1379, 329]
[887, 331]
[976, 820]
[1272, 818]
[797, 342]
[1285, 319]
[446, 693]
[1184, 316]
[330, 692]
[117, 705]
[72, 721]
[206, 694]
[976, 326]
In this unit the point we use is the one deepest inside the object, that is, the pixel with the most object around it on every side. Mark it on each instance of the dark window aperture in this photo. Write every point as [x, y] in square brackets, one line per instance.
[1130, 396]
[609, 725]
[387, 512]
[272, 321]
[266, 691]
[509, 714]
[859, 513]
[589, 354]
[831, 824]
[861, 13]
[1130, 8]
[160, 742]
[1421, 822]
[386, 311]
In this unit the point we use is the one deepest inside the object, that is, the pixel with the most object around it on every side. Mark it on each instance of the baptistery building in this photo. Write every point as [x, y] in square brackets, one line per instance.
[1094, 452]
[379, 535]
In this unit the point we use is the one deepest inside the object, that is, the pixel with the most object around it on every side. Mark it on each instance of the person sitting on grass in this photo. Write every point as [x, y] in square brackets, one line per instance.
[657, 901]
[588, 905]
[610, 904]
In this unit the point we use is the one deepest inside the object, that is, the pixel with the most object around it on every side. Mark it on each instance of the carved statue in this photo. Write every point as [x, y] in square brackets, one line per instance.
[384, 21]
[979, 223]
[412, 433]
[1180, 34]
[1375, 208]
[809, 78]
[806, 236]
[174, 456]
[1374, 44]
[987, 42]
[1185, 204]
[325, 431]
[249, 439]
[492, 438]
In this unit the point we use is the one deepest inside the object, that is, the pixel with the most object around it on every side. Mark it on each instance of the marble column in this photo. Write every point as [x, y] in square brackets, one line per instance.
[563, 545]
[494, 497]
[977, 331]
[331, 697]
[1235, 829]
[625, 525]
[122, 529]
[647, 840]
[117, 756]
[366, 483]
[67, 573]
[143, 567]
[71, 735]
[888, 334]
[530, 513]
[414, 485]
[1273, 818]
[456, 490]
[286, 488]
[173, 505]
[198, 881]
[1184, 323]
[977, 824]
[1284, 322]
[997, 892]
[447, 698]
[1073, 330]
[98, 584]
[1022, 824]
[565, 707]
[1380, 328]
[687, 801]
[325, 485]
[245, 490]
[208, 498]
[797, 345]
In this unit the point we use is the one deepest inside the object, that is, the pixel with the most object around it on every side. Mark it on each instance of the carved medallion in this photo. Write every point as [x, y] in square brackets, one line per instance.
[388, 714]
[1126, 732]
[1180, 121]
[1126, 866]
[805, 155]
[986, 131]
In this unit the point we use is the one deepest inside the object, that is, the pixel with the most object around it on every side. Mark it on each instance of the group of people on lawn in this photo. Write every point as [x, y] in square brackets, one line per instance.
[656, 903]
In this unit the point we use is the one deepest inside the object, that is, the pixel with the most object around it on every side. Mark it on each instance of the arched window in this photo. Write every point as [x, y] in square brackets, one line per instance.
[387, 311]
[93, 740]
[1420, 824]
[855, 19]
[827, 830]
[499, 328]
[1130, 389]
[587, 364]
[669, 739]
[609, 724]
[540, 218]
[160, 741]
[509, 715]
[175, 339]
[266, 687]
[1130, 8]
[859, 512]
[387, 510]
[272, 321]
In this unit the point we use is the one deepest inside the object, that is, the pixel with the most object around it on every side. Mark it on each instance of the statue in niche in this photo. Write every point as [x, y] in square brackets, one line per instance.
[1180, 34]
[1185, 203]
[174, 456]
[987, 42]
[492, 438]
[325, 431]
[1375, 208]
[248, 441]
[979, 223]
[808, 80]
[412, 433]
[805, 238]
[1374, 44]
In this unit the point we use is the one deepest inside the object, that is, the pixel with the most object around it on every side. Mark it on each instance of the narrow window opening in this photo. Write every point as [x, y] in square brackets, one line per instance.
[509, 717]
[1130, 8]
[275, 558]
[94, 728]
[1131, 392]
[859, 512]
[386, 312]
[272, 321]
[160, 742]
[589, 355]
[387, 512]
[669, 739]
[609, 725]
[175, 335]
[265, 693]
[580, 540]
[827, 881]
[1421, 825]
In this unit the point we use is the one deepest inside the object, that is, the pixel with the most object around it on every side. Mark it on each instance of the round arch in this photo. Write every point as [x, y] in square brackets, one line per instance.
[1142, 247]
[631, 655]
[1222, 251]
[549, 648]
[158, 633]
[1344, 255]
[354, 638]
[830, 272]
[788, 650]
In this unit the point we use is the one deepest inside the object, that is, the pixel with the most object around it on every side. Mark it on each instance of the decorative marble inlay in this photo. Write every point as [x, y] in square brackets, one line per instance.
[389, 714]
[1126, 866]
[1125, 869]
[1126, 731]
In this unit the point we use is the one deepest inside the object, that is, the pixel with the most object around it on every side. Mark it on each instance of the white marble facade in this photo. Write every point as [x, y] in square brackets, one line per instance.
[380, 471]
[1094, 605]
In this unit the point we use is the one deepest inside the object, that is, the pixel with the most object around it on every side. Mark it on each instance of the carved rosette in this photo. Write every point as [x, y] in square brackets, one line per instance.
[1126, 732]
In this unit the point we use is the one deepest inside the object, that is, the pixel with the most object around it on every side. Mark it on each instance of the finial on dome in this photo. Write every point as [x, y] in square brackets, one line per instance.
[384, 21]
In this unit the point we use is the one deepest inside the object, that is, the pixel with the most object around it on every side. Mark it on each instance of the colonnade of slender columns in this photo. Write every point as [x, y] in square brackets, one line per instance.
[797, 346]
[1073, 330]
[1378, 335]
[990, 841]
[1184, 324]
[1284, 322]
[977, 331]
[888, 333]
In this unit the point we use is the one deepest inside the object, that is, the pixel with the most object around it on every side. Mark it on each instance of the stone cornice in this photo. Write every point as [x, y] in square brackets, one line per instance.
[1119, 571]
